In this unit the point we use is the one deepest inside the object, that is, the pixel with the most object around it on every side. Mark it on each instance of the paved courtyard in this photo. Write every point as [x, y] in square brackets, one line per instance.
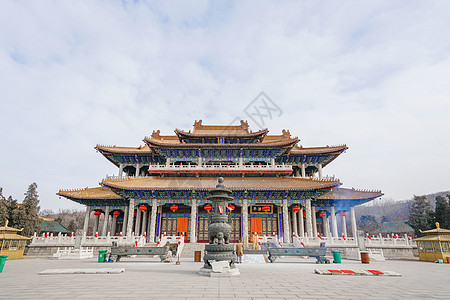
[289, 278]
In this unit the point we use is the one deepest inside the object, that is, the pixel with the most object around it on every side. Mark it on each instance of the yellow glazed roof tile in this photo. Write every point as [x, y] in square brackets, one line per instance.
[207, 183]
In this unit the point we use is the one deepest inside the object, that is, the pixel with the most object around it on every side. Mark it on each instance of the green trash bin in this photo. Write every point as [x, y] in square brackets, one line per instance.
[336, 257]
[2, 261]
[102, 256]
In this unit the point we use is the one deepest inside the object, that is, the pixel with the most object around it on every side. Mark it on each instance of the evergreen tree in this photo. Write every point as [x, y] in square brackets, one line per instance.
[442, 211]
[370, 224]
[4, 213]
[6, 208]
[26, 215]
[11, 205]
[421, 215]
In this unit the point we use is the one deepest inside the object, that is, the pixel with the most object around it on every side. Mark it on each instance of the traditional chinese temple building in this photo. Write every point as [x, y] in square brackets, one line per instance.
[278, 185]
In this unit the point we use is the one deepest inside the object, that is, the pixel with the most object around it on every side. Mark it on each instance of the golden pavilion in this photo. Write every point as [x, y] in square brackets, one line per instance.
[435, 245]
[12, 244]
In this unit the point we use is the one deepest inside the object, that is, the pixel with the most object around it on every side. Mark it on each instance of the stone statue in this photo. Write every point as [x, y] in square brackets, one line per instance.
[218, 240]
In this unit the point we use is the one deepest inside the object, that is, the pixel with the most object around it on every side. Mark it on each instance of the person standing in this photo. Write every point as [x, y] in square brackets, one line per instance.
[255, 241]
[239, 252]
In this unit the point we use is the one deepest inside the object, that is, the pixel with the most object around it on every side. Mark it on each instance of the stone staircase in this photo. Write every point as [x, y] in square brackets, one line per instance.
[189, 248]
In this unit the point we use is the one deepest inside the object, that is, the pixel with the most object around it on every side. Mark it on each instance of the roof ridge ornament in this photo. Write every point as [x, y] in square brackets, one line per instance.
[286, 133]
[198, 124]
[156, 134]
[244, 125]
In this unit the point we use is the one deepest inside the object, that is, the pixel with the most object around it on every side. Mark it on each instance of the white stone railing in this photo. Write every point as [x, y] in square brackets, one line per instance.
[395, 240]
[118, 177]
[172, 239]
[64, 240]
[219, 167]
[268, 239]
[48, 238]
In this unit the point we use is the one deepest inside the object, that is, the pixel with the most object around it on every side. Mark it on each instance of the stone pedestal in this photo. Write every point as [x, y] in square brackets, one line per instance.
[220, 271]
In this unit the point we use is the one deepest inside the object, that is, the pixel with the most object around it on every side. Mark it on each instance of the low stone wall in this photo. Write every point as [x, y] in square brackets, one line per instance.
[48, 251]
[400, 252]
[389, 252]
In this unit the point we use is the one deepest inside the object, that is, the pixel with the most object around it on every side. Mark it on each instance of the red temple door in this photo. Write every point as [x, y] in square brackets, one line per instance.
[183, 226]
[256, 226]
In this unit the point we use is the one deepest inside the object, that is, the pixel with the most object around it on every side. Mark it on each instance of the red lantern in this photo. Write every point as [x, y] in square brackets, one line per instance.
[304, 214]
[142, 208]
[116, 213]
[265, 208]
[296, 208]
[135, 213]
[173, 208]
[323, 214]
[208, 207]
[231, 207]
[97, 213]
[342, 214]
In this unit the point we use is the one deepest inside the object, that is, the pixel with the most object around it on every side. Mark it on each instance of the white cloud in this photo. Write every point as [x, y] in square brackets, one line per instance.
[374, 76]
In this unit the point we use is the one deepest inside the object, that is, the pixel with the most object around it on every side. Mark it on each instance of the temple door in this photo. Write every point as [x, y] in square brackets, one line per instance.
[256, 226]
[202, 236]
[183, 226]
[235, 229]
[169, 225]
[269, 226]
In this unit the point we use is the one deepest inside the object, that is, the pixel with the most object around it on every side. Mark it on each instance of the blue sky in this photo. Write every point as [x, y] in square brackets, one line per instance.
[374, 76]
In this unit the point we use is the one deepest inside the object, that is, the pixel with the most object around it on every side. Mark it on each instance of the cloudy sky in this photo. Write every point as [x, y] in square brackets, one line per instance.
[74, 74]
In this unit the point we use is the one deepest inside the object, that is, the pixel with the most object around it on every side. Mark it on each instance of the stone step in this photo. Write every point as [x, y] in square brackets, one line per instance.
[82, 271]
[190, 248]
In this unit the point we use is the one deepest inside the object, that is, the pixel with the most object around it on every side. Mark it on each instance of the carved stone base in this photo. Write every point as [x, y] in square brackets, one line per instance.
[217, 253]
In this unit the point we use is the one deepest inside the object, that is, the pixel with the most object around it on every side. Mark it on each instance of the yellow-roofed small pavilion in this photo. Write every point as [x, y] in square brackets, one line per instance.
[435, 245]
[12, 244]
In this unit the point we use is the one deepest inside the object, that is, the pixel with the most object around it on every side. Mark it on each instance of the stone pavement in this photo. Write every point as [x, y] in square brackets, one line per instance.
[289, 278]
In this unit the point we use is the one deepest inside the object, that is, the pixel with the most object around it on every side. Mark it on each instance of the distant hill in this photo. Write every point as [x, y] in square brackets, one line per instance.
[432, 197]
[393, 210]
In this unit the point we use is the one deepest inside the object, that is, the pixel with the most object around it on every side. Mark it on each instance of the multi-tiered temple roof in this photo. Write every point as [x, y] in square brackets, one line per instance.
[257, 166]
